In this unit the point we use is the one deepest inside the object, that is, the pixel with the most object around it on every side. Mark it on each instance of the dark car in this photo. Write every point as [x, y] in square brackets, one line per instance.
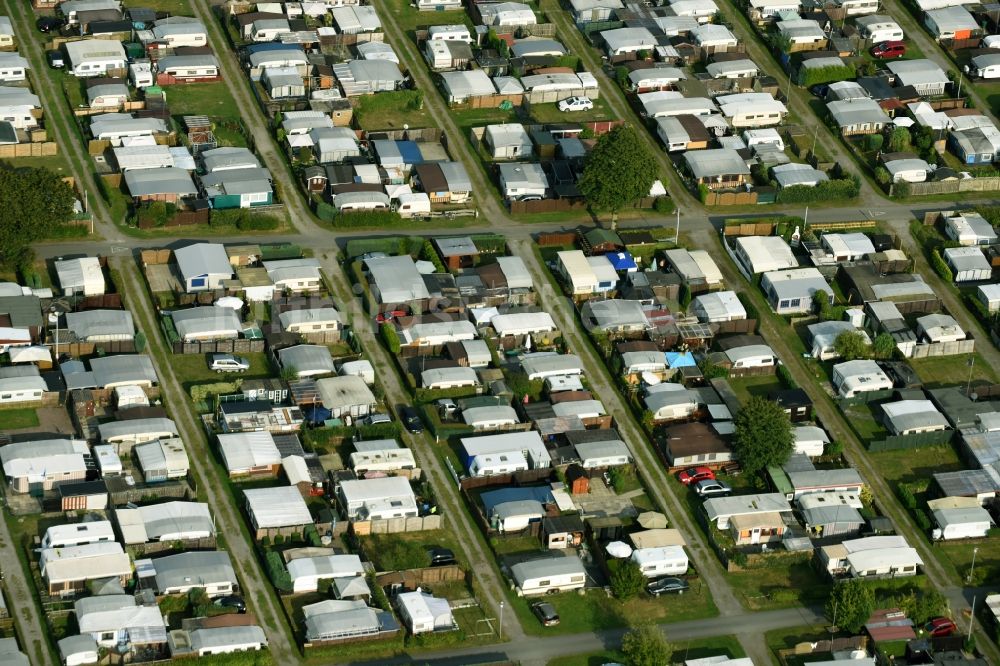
[55, 59]
[940, 627]
[232, 601]
[49, 23]
[819, 90]
[411, 419]
[667, 586]
[546, 613]
[441, 556]
[694, 474]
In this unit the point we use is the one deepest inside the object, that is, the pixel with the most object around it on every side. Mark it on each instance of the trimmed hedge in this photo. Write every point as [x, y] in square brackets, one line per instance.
[941, 266]
[379, 219]
[243, 219]
[842, 188]
[830, 74]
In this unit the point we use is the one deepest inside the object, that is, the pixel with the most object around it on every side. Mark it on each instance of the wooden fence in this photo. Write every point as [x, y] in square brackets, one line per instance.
[414, 578]
[944, 348]
[77, 349]
[955, 186]
[177, 490]
[141, 550]
[219, 346]
[556, 238]
[487, 102]
[41, 149]
[396, 525]
[83, 111]
[741, 198]
[748, 229]
[914, 441]
[514, 478]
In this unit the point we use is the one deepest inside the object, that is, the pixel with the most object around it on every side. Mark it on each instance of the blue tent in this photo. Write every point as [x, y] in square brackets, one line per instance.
[680, 360]
[622, 261]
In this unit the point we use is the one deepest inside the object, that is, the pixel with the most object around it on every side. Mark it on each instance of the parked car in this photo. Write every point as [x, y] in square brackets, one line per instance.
[441, 556]
[49, 24]
[668, 585]
[820, 90]
[886, 50]
[411, 419]
[447, 407]
[228, 363]
[55, 59]
[546, 613]
[232, 601]
[529, 197]
[712, 488]
[695, 474]
[576, 104]
[375, 419]
[939, 627]
[384, 317]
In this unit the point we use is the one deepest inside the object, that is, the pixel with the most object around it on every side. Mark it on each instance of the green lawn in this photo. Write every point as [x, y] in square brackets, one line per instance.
[409, 18]
[550, 113]
[392, 110]
[683, 650]
[780, 586]
[951, 370]
[596, 610]
[175, 7]
[15, 419]
[744, 387]
[959, 555]
[205, 99]
[424, 540]
[909, 465]
[467, 118]
[193, 369]
[55, 163]
[863, 422]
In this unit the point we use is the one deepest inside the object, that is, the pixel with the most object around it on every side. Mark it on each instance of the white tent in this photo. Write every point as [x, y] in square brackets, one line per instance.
[229, 302]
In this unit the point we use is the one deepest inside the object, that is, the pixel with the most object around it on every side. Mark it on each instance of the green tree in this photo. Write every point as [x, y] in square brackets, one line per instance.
[821, 304]
[627, 580]
[646, 645]
[763, 435]
[37, 203]
[899, 139]
[850, 605]
[851, 345]
[619, 170]
[874, 142]
[882, 175]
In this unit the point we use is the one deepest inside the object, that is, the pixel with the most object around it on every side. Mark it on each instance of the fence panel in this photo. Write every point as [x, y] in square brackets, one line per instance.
[944, 349]
[914, 441]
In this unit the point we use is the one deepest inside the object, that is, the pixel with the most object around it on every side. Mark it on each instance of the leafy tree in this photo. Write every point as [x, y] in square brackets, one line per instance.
[899, 139]
[646, 645]
[883, 176]
[850, 605]
[627, 580]
[763, 435]
[851, 345]
[821, 304]
[874, 142]
[38, 203]
[619, 170]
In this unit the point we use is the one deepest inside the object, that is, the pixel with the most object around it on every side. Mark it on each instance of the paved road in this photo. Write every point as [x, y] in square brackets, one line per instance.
[776, 332]
[539, 649]
[456, 516]
[228, 521]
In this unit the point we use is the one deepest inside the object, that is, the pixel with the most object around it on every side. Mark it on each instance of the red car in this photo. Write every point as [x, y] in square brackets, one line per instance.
[940, 627]
[693, 474]
[383, 317]
[886, 50]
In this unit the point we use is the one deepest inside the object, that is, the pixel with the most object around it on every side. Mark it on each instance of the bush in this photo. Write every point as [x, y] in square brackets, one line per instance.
[785, 375]
[243, 219]
[941, 266]
[834, 448]
[663, 205]
[428, 253]
[389, 245]
[390, 337]
[276, 571]
[379, 219]
[831, 74]
[906, 496]
[873, 142]
[627, 580]
[842, 188]
[923, 520]
[312, 536]
[395, 554]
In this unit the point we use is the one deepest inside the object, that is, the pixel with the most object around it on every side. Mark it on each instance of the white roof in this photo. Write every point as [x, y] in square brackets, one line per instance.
[397, 279]
[720, 304]
[80, 272]
[344, 392]
[104, 559]
[529, 442]
[165, 522]
[468, 83]
[423, 608]
[722, 507]
[745, 65]
[280, 506]
[767, 253]
[245, 450]
[950, 19]
[530, 322]
[93, 530]
[917, 72]
[326, 566]
[713, 34]
[646, 556]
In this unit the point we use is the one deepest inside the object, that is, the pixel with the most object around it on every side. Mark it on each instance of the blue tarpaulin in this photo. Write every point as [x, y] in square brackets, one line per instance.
[680, 360]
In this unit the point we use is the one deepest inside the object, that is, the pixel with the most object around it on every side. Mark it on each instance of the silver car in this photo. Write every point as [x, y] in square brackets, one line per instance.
[228, 363]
